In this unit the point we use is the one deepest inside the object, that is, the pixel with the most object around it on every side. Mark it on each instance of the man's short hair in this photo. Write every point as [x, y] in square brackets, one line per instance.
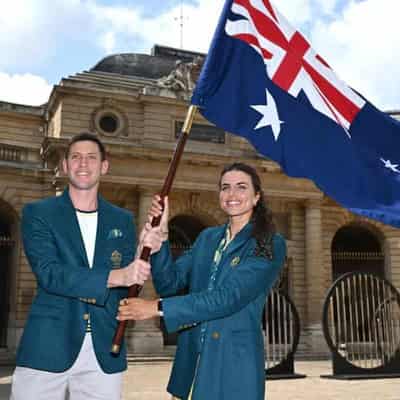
[87, 136]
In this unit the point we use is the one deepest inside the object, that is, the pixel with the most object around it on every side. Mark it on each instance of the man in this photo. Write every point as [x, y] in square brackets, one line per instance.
[81, 250]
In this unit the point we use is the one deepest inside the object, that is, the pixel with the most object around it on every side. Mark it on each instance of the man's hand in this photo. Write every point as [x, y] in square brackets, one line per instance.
[137, 309]
[137, 272]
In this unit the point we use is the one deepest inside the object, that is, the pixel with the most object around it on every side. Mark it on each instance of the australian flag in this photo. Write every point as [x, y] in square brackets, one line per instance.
[263, 81]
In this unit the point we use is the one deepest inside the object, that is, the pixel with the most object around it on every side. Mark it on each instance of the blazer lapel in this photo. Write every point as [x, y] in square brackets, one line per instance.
[70, 227]
[102, 231]
[231, 257]
[207, 261]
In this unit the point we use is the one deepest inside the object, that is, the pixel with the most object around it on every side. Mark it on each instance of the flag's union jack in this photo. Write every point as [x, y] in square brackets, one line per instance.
[290, 61]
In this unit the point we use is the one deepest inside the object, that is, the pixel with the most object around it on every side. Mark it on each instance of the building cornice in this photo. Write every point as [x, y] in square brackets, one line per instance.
[21, 110]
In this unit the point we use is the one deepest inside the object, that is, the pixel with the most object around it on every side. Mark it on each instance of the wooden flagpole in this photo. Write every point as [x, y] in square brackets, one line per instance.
[145, 255]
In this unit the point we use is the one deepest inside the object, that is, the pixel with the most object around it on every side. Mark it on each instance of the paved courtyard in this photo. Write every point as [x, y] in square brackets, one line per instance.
[146, 381]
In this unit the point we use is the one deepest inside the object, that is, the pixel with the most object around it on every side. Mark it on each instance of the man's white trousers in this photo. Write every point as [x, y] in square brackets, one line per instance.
[83, 381]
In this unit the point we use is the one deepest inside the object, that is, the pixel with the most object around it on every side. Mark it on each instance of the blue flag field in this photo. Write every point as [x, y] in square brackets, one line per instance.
[263, 81]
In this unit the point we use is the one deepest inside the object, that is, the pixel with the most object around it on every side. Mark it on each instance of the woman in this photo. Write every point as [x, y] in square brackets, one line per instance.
[229, 272]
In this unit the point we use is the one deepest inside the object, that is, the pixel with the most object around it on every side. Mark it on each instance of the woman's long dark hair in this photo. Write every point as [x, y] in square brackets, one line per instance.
[263, 225]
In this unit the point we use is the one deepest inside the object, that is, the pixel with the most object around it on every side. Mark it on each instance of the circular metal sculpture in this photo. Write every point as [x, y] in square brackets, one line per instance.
[282, 332]
[361, 323]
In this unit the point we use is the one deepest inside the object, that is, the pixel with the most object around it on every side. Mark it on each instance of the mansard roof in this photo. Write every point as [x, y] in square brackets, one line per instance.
[159, 63]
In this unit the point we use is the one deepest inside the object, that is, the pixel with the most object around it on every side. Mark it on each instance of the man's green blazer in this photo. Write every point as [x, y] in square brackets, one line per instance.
[68, 291]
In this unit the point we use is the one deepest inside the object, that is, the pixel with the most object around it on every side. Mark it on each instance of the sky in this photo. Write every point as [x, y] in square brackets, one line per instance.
[42, 41]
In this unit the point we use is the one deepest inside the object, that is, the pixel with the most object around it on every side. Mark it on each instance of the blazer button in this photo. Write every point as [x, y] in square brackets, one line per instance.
[215, 335]
[86, 316]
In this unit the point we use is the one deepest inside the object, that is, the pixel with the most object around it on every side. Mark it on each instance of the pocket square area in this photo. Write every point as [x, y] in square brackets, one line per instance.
[115, 233]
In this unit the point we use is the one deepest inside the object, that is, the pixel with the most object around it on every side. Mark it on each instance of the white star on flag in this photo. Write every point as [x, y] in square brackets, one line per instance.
[389, 165]
[270, 115]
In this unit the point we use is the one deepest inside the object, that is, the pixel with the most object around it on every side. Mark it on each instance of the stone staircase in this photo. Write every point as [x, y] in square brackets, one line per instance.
[166, 354]
[307, 352]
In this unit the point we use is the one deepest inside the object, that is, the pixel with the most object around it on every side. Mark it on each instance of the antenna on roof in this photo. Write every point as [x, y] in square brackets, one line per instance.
[181, 23]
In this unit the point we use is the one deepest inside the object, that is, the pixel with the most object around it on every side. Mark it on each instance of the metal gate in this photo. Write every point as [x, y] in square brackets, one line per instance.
[282, 333]
[361, 323]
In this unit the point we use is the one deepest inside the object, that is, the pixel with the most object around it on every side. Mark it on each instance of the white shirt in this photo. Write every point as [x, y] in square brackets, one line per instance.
[88, 225]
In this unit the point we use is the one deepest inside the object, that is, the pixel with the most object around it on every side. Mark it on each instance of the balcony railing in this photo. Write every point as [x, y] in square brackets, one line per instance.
[6, 241]
[11, 153]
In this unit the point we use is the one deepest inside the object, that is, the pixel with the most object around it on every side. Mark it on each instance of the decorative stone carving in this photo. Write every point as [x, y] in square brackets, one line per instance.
[183, 77]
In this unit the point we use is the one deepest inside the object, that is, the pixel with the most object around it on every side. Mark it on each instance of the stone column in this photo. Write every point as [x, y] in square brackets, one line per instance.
[314, 277]
[145, 337]
[297, 275]
[391, 250]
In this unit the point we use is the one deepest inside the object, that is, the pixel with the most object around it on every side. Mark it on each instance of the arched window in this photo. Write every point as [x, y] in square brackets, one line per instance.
[183, 231]
[355, 249]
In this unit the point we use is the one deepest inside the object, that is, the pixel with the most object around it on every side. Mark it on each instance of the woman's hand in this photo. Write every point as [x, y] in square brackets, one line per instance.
[154, 236]
[137, 309]
[157, 209]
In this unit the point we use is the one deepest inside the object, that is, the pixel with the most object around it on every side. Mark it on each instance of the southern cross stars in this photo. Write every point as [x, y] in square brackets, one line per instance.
[269, 115]
[389, 165]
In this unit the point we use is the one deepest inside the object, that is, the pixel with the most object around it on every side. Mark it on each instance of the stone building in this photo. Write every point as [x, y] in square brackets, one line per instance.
[137, 104]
